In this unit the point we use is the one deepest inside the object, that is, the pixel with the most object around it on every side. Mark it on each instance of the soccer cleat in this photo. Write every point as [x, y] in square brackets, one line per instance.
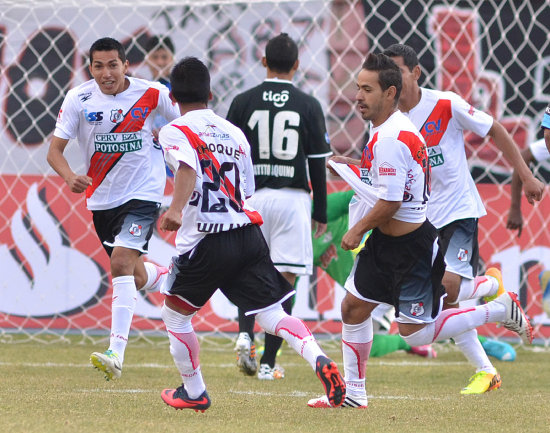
[268, 373]
[482, 382]
[426, 351]
[494, 272]
[499, 350]
[179, 399]
[328, 374]
[544, 279]
[349, 402]
[108, 362]
[246, 354]
[515, 319]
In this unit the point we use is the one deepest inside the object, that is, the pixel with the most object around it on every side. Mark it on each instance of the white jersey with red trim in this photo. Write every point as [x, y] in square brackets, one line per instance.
[220, 155]
[395, 164]
[442, 118]
[114, 133]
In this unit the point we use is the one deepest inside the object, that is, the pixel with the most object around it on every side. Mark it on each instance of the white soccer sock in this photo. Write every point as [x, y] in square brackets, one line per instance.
[485, 285]
[122, 311]
[469, 345]
[356, 345]
[466, 291]
[153, 284]
[455, 321]
[185, 349]
[293, 331]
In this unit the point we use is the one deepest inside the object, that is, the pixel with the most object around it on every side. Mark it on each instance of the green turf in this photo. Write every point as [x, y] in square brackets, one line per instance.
[52, 388]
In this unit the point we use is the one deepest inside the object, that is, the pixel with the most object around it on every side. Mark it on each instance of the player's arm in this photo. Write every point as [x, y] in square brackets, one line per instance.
[318, 178]
[515, 218]
[532, 186]
[341, 160]
[184, 184]
[379, 216]
[56, 159]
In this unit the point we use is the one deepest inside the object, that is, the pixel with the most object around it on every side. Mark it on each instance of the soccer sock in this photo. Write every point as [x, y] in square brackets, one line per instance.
[155, 277]
[293, 331]
[472, 349]
[356, 345]
[485, 285]
[246, 324]
[383, 344]
[185, 349]
[455, 321]
[272, 342]
[122, 311]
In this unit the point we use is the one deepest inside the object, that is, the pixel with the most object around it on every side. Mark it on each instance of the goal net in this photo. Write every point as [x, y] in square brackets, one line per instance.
[55, 277]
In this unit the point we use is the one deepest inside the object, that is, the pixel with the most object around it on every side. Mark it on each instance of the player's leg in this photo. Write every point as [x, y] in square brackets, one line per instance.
[125, 232]
[459, 241]
[185, 349]
[245, 347]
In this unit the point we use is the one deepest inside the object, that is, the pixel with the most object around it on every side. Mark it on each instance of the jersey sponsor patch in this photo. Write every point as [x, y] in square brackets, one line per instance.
[118, 142]
[435, 156]
[386, 169]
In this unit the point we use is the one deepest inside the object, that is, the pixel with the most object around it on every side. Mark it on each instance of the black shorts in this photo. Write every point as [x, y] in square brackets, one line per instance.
[129, 225]
[404, 271]
[235, 261]
[459, 244]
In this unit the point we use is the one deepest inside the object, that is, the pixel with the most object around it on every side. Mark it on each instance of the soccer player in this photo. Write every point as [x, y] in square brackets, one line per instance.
[219, 242]
[536, 152]
[285, 128]
[455, 205]
[401, 264]
[111, 116]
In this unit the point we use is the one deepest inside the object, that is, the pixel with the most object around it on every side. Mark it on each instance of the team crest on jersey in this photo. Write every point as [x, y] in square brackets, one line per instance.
[462, 255]
[417, 309]
[116, 115]
[135, 230]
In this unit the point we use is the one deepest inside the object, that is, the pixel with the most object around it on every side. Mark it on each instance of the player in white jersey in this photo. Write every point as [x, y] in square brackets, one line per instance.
[111, 116]
[219, 242]
[455, 205]
[401, 264]
[537, 152]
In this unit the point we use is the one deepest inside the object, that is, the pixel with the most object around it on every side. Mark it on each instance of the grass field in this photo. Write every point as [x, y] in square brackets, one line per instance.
[53, 388]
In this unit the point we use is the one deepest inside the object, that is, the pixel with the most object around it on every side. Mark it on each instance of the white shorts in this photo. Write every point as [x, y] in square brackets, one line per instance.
[287, 227]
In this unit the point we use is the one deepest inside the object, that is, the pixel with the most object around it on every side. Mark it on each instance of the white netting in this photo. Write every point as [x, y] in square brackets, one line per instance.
[55, 276]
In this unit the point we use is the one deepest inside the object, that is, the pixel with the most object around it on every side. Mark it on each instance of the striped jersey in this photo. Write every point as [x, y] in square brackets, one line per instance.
[394, 167]
[114, 133]
[442, 118]
[220, 155]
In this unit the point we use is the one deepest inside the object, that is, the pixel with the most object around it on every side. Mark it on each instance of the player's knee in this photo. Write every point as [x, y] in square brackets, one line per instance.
[417, 338]
[176, 321]
[355, 310]
[270, 318]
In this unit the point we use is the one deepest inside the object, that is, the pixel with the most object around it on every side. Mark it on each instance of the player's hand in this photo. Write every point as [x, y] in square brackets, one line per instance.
[319, 229]
[170, 221]
[515, 220]
[79, 183]
[339, 159]
[351, 240]
[533, 189]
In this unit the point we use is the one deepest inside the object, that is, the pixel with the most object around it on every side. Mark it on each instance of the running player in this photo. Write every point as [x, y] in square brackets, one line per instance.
[219, 241]
[111, 116]
[401, 264]
[455, 205]
[285, 128]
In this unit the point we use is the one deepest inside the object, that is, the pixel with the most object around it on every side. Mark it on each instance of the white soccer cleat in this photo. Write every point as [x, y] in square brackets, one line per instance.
[268, 373]
[246, 354]
[349, 402]
[515, 319]
[108, 362]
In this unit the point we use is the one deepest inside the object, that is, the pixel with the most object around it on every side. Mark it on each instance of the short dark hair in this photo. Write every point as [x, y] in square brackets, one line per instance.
[107, 44]
[190, 81]
[389, 73]
[410, 59]
[157, 42]
[281, 52]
